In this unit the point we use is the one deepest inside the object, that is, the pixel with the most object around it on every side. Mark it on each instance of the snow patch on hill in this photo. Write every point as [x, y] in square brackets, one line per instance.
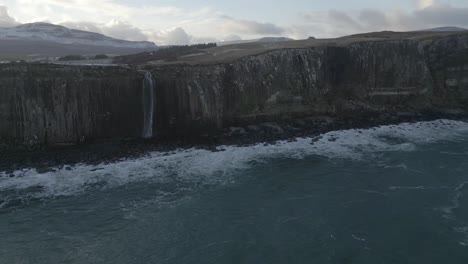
[63, 35]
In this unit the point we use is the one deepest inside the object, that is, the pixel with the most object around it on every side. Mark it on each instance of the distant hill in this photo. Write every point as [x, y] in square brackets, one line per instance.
[44, 39]
[445, 29]
[274, 39]
[261, 40]
[165, 54]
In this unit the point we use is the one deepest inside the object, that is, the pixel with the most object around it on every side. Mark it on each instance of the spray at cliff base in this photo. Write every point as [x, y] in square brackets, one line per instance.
[148, 105]
[390, 194]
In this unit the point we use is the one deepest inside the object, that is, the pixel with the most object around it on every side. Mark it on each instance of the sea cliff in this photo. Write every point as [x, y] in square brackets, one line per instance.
[61, 104]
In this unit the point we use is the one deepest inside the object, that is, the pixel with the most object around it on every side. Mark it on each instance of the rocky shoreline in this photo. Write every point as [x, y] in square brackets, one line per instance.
[49, 158]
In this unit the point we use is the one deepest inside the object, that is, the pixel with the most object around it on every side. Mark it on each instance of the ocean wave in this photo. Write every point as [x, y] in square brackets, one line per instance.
[207, 167]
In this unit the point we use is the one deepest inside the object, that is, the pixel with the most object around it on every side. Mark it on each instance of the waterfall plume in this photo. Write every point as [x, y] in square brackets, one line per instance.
[148, 105]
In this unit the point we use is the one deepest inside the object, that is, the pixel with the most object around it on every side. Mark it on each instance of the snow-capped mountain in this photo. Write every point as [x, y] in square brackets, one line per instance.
[62, 35]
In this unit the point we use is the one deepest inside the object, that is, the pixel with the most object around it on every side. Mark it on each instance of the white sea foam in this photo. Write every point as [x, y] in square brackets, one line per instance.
[458, 194]
[207, 167]
[450, 213]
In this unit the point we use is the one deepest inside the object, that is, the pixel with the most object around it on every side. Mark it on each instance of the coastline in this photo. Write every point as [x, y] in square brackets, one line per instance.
[48, 158]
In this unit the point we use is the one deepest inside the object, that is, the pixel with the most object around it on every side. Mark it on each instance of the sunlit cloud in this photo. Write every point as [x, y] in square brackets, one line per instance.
[425, 3]
[169, 25]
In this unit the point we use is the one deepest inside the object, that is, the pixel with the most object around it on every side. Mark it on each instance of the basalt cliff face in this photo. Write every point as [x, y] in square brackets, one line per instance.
[68, 104]
[379, 76]
[65, 104]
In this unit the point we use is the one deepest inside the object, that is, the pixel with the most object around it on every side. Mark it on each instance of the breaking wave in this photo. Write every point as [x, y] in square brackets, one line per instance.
[207, 167]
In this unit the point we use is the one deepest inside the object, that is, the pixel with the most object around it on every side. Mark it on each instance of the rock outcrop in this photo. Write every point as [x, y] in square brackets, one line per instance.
[66, 104]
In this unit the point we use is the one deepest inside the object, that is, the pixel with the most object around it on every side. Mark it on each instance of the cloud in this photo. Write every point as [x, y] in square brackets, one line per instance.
[330, 23]
[115, 28]
[169, 25]
[85, 26]
[240, 26]
[424, 3]
[5, 19]
[165, 25]
[443, 15]
[371, 18]
[341, 19]
[123, 30]
[232, 37]
[174, 36]
[335, 23]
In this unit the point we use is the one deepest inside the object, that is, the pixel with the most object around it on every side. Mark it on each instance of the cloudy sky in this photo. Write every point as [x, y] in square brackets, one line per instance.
[193, 21]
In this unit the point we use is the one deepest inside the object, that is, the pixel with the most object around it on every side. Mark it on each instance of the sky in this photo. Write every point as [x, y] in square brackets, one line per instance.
[180, 22]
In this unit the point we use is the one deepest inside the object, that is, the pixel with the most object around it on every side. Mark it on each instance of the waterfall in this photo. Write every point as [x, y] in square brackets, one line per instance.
[148, 105]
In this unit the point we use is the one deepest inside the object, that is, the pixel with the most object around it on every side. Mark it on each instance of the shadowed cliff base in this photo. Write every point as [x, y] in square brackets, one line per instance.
[48, 158]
